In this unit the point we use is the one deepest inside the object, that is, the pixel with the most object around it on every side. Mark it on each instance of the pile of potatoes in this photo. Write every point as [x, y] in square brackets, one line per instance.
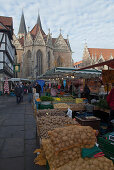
[72, 136]
[47, 123]
[50, 112]
[100, 163]
[61, 106]
[62, 158]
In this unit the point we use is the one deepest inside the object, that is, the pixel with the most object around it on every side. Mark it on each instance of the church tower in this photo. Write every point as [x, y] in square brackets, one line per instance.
[22, 27]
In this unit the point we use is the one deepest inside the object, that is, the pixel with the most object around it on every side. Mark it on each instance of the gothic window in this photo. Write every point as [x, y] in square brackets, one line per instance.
[49, 60]
[38, 63]
[59, 62]
[28, 64]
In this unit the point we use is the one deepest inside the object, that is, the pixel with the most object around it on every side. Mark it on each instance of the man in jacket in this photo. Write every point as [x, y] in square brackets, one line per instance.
[38, 88]
[18, 92]
[110, 101]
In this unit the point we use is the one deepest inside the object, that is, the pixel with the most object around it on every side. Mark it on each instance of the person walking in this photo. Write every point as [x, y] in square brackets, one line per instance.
[38, 88]
[110, 101]
[18, 92]
[22, 94]
[29, 92]
[86, 92]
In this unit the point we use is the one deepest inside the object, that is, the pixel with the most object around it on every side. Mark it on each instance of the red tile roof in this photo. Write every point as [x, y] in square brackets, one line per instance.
[7, 21]
[106, 53]
[35, 29]
[76, 63]
[3, 26]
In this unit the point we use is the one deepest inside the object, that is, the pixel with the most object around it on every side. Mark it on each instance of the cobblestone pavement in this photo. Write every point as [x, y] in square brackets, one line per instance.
[17, 135]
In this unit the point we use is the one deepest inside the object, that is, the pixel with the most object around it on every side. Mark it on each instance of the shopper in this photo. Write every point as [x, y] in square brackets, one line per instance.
[110, 101]
[54, 91]
[29, 92]
[86, 92]
[38, 88]
[22, 94]
[18, 93]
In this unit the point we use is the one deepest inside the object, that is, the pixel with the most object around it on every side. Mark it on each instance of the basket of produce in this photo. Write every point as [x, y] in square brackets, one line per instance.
[50, 112]
[62, 106]
[46, 123]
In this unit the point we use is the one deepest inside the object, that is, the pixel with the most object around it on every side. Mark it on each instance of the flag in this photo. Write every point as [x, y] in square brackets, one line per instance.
[6, 86]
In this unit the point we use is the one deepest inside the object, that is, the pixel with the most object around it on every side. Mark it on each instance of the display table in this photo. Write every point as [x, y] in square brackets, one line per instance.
[94, 123]
[101, 109]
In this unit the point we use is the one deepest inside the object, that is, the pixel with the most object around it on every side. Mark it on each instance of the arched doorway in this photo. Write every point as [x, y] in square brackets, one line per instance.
[39, 63]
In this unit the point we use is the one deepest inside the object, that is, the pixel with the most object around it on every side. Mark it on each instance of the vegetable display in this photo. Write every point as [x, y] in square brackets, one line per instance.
[50, 112]
[72, 136]
[62, 158]
[46, 98]
[100, 163]
[61, 106]
[47, 123]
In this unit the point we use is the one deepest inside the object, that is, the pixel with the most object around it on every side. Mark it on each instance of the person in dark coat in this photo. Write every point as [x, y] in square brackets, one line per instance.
[22, 94]
[86, 92]
[110, 101]
[29, 92]
[38, 88]
[18, 93]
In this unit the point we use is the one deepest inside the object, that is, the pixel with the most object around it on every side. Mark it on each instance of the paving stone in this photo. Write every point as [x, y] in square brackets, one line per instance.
[15, 120]
[17, 135]
[13, 147]
[12, 163]
[30, 134]
[12, 132]
[29, 149]
[29, 164]
[1, 143]
[30, 142]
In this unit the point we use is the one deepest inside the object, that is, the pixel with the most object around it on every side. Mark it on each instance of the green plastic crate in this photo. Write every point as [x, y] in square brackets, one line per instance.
[107, 146]
[50, 106]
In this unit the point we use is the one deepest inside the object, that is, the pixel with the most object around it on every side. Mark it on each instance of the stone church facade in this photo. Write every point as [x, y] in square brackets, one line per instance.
[38, 52]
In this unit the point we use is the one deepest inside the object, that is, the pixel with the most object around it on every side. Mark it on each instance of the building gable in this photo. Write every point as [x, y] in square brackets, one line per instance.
[28, 40]
[39, 39]
[60, 43]
[16, 43]
[49, 41]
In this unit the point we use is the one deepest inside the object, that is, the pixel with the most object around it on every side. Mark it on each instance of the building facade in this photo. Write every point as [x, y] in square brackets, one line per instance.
[78, 64]
[38, 52]
[7, 49]
[96, 55]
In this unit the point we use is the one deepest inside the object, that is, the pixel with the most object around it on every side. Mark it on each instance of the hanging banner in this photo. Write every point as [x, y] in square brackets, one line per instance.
[64, 83]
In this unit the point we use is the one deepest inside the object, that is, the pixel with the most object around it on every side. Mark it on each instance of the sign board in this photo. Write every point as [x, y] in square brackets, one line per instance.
[16, 68]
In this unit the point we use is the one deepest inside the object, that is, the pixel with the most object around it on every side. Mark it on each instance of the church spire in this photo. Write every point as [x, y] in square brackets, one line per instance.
[39, 21]
[22, 27]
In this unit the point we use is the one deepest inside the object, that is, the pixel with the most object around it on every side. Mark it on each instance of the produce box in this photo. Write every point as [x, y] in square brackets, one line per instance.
[77, 107]
[41, 106]
[47, 123]
[50, 112]
[94, 123]
[107, 145]
[79, 100]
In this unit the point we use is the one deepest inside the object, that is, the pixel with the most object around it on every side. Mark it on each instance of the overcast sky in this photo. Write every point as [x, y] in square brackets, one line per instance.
[83, 20]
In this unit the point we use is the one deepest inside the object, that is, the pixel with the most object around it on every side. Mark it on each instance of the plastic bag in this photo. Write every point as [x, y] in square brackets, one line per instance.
[69, 113]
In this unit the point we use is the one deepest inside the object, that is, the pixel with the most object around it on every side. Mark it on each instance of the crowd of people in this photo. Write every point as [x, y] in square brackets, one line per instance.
[21, 89]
